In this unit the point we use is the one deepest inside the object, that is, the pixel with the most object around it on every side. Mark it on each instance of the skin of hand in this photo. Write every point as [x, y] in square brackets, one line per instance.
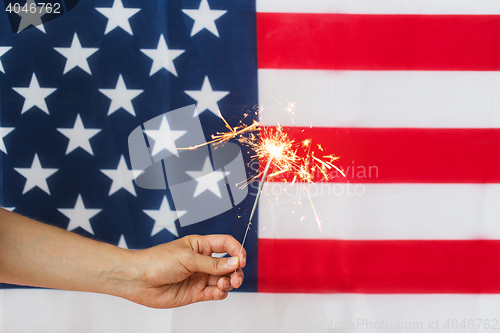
[182, 272]
[174, 274]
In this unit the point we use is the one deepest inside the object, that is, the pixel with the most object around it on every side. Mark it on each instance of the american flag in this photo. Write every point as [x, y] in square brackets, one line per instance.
[75, 88]
[405, 92]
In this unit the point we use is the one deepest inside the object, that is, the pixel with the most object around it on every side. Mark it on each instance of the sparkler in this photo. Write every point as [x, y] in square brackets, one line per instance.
[278, 149]
[281, 151]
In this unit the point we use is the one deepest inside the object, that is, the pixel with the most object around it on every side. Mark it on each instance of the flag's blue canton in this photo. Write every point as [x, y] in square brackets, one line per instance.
[79, 181]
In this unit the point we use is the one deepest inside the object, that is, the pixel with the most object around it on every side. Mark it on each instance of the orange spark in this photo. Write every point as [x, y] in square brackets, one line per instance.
[314, 210]
[272, 144]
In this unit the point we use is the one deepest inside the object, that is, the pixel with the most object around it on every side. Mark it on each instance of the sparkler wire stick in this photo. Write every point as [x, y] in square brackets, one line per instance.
[261, 185]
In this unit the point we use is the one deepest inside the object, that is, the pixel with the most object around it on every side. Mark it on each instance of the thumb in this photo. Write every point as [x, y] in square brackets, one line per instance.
[215, 266]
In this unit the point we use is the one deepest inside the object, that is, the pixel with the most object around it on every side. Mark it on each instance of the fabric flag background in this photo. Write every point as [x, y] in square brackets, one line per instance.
[405, 92]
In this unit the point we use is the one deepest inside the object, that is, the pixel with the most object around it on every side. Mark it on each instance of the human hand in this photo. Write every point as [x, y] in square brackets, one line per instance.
[183, 272]
[165, 276]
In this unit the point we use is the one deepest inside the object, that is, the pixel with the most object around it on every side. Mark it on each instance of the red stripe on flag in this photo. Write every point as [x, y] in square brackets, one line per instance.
[404, 155]
[378, 42]
[437, 266]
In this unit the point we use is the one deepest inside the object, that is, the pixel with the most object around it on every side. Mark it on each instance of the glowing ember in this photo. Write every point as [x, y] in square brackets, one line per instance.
[273, 149]
[274, 143]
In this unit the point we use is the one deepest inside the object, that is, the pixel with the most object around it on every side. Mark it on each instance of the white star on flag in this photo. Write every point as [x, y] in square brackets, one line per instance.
[118, 16]
[4, 131]
[164, 218]
[122, 177]
[79, 216]
[79, 136]
[36, 176]
[207, 179]
[162, 57]
[3, 50]
[123, 243]
[204, 18]
[206, 98]
[121, 97]
[28, 18]
[34, 95]
[164, 138]
[76, 55]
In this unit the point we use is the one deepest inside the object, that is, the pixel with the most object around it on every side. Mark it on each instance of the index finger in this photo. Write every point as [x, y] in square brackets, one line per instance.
[209, 244]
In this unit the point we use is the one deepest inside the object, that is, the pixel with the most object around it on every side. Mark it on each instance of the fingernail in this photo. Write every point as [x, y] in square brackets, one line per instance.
[232, 262]
[241, 281]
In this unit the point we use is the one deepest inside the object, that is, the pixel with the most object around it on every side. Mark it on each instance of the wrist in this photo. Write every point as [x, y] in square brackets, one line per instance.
[124, 276]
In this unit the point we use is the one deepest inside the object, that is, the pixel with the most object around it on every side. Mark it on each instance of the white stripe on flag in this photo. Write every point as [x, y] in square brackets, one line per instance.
[380, 211]
[46, 310]
[2, 310]
[61, 311]
[488, 7]
[306, 313]
[380, 98]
